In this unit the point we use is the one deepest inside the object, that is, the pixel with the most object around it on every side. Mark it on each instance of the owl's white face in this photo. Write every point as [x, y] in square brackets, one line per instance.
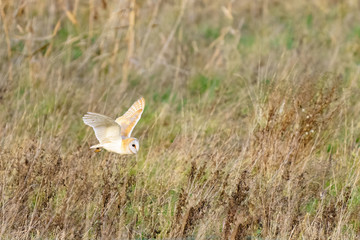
[134, 146]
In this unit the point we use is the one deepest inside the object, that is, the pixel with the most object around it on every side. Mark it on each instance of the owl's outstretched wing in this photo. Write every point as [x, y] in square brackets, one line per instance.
[104, 127]
[129, 120]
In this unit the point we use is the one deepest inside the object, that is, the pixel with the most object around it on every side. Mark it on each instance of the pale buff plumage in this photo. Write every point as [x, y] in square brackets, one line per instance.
[114, 135]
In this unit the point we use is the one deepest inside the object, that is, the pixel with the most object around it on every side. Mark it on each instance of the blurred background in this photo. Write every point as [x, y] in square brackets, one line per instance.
[251, 126]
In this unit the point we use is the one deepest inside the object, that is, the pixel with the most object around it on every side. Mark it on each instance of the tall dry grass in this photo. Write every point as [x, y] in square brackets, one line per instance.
[251, 129]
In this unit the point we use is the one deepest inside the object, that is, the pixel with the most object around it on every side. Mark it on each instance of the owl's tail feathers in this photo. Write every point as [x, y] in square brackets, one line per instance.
[96, 146]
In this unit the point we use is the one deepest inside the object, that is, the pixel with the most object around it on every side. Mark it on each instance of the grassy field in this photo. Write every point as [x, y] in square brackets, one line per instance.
[251, 128]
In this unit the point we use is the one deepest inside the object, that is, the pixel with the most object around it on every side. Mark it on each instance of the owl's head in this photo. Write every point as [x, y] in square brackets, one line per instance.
[133, 146]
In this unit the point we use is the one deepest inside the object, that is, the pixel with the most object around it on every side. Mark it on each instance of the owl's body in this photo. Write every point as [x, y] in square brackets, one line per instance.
[115, 146]
[114, 135]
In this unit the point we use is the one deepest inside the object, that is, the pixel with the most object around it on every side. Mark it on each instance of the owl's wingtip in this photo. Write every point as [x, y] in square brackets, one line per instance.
[142, 99]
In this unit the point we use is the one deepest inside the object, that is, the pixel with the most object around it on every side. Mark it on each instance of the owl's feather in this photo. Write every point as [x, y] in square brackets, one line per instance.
[129, 120]
[105, 128]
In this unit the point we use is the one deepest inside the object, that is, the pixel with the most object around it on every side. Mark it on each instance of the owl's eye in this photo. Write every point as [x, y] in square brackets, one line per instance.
[133, 145]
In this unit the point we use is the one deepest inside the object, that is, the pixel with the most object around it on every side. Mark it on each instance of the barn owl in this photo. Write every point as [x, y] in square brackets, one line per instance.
[114, 135]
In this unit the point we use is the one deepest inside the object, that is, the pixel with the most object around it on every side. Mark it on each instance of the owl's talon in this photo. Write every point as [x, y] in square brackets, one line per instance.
[97, 150]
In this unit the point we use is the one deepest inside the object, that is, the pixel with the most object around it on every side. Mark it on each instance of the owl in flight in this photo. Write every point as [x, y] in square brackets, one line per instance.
[114, 135]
